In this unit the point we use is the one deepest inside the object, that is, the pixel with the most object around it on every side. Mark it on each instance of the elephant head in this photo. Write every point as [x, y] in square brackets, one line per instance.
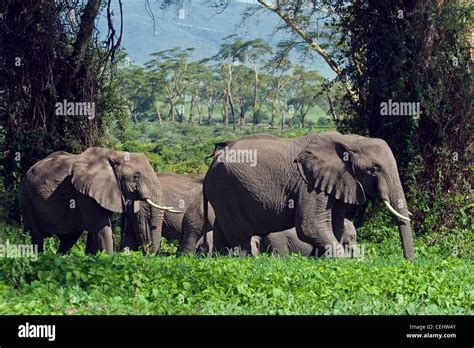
[118, 181]
[351, 168]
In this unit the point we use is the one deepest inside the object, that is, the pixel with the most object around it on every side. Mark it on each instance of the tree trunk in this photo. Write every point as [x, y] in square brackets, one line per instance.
[272, 121]
[210, 108]
[226, 110]
[158, 113]
[172, 108]
[331, 108]
[84, 34]
[242, 115]
[190, 120]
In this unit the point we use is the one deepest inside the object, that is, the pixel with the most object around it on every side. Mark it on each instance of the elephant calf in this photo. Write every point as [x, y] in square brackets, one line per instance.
[287, 242]
[179, 190]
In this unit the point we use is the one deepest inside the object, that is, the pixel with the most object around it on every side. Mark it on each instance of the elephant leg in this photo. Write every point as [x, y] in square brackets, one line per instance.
[338, 213]
[105, 237]
[313, 222]
[37, 238]
[255, 243]
[91, 244]
[241, 246]
[218, 239]
[128, 241]
[100, 236]
[100, 240]
[209, 242]
[67, 241]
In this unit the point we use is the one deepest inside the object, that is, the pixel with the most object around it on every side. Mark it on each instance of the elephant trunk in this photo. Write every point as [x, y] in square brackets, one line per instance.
[150, 228]
[397, 204]
[189, 239]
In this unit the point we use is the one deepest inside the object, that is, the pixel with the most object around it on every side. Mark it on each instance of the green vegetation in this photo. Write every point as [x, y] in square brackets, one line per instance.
[380, 283]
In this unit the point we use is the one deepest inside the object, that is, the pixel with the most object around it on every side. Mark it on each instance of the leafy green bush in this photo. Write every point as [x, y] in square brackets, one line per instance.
[380, 282]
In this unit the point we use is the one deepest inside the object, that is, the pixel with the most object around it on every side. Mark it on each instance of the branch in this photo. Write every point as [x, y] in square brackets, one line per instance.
[314, 46]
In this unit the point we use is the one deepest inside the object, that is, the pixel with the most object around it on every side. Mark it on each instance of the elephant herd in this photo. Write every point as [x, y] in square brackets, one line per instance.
[261, 193]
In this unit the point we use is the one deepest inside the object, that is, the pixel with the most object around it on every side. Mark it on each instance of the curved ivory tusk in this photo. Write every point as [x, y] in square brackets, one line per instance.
[162, 207]
[394, 212]
[410, 214]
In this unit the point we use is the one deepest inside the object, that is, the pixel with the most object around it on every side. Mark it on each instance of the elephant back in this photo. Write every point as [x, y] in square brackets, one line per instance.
[45, 176]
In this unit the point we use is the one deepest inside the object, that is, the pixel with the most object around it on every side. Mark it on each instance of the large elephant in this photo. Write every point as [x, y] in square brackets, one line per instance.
[261, 184]
[65, 194]
[179, 190]
[198, 236]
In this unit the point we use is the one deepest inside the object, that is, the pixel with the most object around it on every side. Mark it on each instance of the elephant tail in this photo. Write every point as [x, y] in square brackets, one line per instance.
[205, 202]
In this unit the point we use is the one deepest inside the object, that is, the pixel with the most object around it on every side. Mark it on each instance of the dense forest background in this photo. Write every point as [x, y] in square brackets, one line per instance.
[174, 106]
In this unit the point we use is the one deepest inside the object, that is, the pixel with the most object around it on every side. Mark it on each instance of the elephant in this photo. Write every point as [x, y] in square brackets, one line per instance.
[65, 194]
[287, 242]
[260, 184]
[179, 190]
[200, 232]
[281, 243]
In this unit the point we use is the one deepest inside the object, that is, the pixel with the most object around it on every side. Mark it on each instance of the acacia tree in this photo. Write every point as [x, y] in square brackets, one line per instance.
[209, 91]
[170, 66]
[139, 89]
[306, 92]
[280, 71]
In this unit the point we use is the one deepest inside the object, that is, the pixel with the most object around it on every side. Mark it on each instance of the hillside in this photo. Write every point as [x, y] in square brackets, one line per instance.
[196, 25]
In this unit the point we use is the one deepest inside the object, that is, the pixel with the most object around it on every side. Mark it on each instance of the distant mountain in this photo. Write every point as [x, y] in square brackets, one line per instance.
[197, 25]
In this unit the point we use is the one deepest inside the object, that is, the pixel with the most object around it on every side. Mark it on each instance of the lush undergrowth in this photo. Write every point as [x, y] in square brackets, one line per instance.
[381, 282]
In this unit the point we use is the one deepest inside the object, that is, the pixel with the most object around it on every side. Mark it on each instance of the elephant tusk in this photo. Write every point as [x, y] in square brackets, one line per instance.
[410, 214]
[394, 212]
[162, 207]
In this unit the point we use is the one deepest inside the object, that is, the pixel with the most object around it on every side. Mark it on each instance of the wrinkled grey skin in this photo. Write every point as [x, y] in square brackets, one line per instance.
[65, 194]
[287, 242]
[179, 190]
[304, 183]
[281, 243]
[196, 231]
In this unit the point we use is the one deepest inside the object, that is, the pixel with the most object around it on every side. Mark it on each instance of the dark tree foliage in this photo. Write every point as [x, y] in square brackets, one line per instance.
[414, 51]
[50, 52]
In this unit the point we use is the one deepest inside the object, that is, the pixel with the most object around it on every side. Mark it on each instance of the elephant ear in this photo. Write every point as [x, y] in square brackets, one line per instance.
[327, 164]
[93, 174]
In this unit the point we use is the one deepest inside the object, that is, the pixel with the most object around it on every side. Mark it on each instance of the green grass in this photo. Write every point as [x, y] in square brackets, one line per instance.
[380, 283]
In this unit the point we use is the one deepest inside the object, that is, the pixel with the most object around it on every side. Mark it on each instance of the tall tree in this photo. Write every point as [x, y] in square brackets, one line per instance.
[50, 54]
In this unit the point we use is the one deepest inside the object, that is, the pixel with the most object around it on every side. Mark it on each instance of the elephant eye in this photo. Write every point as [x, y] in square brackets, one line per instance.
[136, 176]
[373, 170]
